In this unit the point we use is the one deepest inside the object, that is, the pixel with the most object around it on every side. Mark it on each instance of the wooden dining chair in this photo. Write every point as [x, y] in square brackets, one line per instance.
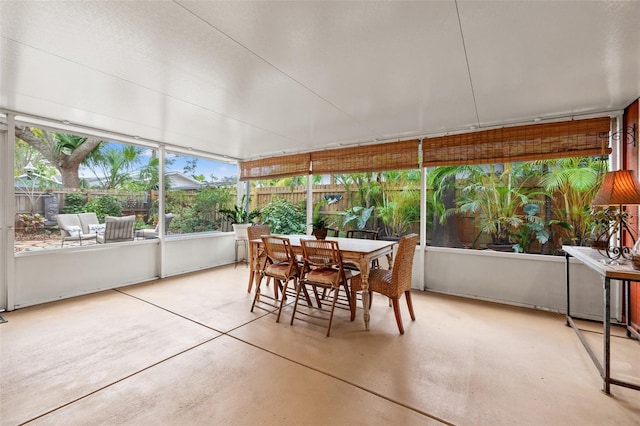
[256, 273]
[333, 232]
[282, 266]
[392, 283]
[322, 269]
[367, 234]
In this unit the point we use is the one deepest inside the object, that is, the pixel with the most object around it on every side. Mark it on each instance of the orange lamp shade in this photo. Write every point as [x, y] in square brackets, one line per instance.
[618, 188]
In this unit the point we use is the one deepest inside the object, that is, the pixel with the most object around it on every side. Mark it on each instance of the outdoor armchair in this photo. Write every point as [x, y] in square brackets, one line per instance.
[117, 229]
[148, 234]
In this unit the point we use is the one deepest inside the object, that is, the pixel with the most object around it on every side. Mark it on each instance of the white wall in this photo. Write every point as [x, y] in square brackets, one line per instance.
[518, 279]
[56, 274]
[534, 281]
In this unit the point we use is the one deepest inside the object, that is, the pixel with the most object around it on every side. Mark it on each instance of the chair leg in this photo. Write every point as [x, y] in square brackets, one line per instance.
[252, 275]
[407, 295]
[256, 296]
[295, 305]
[284, 293]
[333, 308]
[396, 310]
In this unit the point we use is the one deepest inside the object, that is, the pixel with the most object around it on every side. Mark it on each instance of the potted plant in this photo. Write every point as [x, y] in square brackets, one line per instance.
[240, 218]
[601, 228]
[319, 228]
[318, 223]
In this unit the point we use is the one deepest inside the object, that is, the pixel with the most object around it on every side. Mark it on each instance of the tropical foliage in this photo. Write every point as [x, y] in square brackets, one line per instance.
[284, 217]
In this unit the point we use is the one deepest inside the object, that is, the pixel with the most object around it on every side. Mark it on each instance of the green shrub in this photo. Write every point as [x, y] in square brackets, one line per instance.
[74, 203]
[106, 205]
[284, 217]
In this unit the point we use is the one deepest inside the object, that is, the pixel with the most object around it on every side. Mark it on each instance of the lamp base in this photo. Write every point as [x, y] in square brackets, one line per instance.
[615, 253]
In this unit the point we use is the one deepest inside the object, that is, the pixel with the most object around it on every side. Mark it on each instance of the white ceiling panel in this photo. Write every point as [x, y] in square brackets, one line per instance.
[546, 59]
[246, 79]
[389, 65]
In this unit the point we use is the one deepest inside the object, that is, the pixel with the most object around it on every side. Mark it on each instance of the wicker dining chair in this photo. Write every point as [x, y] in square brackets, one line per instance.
[256, 232]
[282, 266]
[322, 269]
[395, 282]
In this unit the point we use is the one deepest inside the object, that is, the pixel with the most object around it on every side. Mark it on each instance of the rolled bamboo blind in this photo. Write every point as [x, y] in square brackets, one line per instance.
[368, 158]
[520, 143]
[282, 166]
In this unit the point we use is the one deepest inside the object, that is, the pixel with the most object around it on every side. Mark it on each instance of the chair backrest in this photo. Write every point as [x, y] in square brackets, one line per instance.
[87, 219]
[67, 222]
[333, 232]
[320, 253]
[257, 231]
[322, 262]
[403, 264]
[367, 234]
[278, 249]
[167, 220]
[119, 228]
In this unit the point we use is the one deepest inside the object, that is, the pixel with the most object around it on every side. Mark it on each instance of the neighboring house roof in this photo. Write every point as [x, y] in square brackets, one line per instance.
[178, 180]
[34, 180]
[181, 181]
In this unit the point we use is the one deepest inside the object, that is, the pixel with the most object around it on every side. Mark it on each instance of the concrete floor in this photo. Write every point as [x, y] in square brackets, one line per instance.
[186, 350]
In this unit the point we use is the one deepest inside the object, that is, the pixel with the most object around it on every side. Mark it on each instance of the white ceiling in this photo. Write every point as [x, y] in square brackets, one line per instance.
[247, 79]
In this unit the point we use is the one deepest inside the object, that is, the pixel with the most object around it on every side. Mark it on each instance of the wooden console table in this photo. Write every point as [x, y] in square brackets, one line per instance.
[599, 263]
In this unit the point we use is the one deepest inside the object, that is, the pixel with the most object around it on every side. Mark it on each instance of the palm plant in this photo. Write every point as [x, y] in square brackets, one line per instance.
[498, 198]
[576, 180]
[111, 165]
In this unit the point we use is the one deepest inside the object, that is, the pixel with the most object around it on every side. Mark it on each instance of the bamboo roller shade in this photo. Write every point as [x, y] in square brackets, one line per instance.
[282, 166]
[369, 158]
[519, 143]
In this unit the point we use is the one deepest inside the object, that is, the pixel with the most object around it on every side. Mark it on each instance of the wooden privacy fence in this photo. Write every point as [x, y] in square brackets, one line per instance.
[136, 203]
[260, 197]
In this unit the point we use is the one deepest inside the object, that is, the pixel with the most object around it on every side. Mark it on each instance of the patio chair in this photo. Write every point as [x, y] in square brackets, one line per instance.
[322, 269]
[149, 234]
[393, 283]
[256, 232]
[78, 227]
[117, 229]
[282, 266]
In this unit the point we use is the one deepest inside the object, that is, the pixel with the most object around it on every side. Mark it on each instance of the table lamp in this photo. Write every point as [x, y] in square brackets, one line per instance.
[619, 189]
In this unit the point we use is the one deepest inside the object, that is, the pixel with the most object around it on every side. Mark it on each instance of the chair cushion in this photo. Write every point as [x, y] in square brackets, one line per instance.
[96, 228]
[73, 231]
[328, 276]
[87, 219]
[278, 270]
